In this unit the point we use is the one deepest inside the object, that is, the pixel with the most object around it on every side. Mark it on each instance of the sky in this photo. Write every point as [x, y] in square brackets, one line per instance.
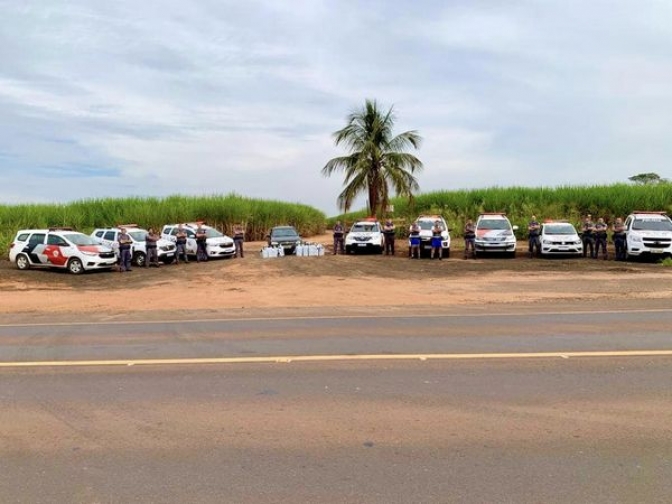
[120, 98]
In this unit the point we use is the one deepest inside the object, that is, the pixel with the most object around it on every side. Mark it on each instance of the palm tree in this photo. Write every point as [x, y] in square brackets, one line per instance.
[377, 159]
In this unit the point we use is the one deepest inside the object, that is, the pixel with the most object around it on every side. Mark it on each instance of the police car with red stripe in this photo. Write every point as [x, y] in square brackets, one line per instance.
[59, 248]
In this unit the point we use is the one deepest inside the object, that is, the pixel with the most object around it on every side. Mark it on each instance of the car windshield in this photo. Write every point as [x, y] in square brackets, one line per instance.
[559, 229]
[212, 233]
[493, 224]
[652, 224]
[425, 225]
[138, 235]
[80, 239]
[365, 228]
[280, 232]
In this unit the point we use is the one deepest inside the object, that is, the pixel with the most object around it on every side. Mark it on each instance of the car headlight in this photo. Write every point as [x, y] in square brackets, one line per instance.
[298, 242]
[546, 242]
[90, 253]
[577, 242]
[274, 243]
[635, 237]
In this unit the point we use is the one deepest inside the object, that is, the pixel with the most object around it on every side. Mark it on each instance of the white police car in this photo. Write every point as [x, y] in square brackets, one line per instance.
[110, 236]
[560, 238]
[59, 248]
[426, 224]
[494, 233]
[217, 244]
[365, 236]
[648, 234]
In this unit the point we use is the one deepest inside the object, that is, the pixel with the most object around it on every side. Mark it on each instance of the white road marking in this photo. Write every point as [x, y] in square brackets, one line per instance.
[287, 359]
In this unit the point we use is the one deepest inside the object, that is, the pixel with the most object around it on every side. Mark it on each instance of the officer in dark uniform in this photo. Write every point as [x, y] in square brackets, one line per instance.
[600, 238]
[414, 242]
[181, 245]
[619, 240]
[239, 239]
[389, 234]
[533, 229]
[587, 237]
[201, 244]
[339, 232]
[152, 256]
[125, 242]
[469, 238]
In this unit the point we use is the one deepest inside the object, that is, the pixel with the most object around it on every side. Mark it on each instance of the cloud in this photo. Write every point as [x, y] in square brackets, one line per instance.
[214, 96]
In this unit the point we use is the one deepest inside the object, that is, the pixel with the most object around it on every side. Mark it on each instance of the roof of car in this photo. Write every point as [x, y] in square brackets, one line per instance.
[493, 215]
[47, 230]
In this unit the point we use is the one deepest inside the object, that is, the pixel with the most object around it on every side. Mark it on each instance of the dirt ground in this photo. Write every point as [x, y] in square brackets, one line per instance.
[330, 281]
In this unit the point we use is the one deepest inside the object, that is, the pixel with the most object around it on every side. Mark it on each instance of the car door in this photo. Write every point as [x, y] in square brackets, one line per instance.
[34, 248]
[57, 251]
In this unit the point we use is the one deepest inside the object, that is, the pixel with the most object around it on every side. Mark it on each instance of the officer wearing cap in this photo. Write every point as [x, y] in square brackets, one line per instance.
[389, 233]
[600, 238]
[152, 256]
[619, 239]
[201, 244]
[125, 242]
[469, 238]
[181, 245]
[587, 237]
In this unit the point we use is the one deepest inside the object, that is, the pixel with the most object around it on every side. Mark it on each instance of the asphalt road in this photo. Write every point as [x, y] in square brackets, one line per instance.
[431, 414]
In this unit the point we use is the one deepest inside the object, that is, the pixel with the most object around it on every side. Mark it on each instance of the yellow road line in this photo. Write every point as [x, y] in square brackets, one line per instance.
[489, 314]
[331, 358]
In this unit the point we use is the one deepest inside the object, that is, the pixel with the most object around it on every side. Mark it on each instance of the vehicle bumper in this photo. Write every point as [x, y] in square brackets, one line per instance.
[227, 251]
[561, 249]
[427, 244]
[638, 250]
[354, 246]
[97, 264]
[494, 246]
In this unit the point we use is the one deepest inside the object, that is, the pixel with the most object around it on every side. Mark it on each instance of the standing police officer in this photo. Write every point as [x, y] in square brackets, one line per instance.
[125, 242]
[389, 234]
[533, 228]
[414, 242]
[587, 237]
[437, 229]
[600, 238]
[469, 238]
[181, 245]
[201, 244]
[339, 231]
[239, 239]
[619, 240]
[152, 256]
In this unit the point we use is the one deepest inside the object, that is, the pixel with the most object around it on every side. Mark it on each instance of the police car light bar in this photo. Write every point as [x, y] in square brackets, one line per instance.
[492, 213]
[645, 212]
[61, 228]
[126, 226]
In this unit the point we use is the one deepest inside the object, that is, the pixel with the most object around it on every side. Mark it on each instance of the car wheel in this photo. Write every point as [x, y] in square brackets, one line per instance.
[511, 255]
[445, 253]
[139, 259]
[75, 266]
[22, 262]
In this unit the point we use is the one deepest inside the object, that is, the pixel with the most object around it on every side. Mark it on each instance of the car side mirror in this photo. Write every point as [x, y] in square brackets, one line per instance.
[515, 228]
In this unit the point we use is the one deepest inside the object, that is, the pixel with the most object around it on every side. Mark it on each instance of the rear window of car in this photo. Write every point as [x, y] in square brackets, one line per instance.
[22, 237]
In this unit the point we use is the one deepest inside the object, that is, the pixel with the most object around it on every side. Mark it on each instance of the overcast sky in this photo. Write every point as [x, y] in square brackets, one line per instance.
[112, 98]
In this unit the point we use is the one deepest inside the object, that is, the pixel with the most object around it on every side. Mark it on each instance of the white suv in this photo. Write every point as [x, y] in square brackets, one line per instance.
[494, 233]
[426, 223]
[110, 237]
[648, 233]
[366, 235]
[59, 248]
[560, 237]
[217, 244]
